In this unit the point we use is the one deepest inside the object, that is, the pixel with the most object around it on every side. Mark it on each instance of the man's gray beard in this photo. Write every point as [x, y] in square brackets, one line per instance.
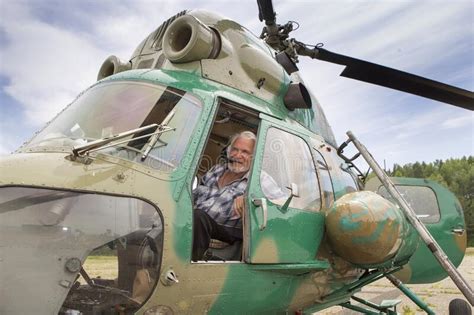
[237, 169]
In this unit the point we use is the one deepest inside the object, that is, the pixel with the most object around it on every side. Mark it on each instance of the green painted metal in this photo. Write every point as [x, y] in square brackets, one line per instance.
[423, 266]
[416, 299]
[295, 234]
[410, 294]
[270, 291]
[199, 87]
[299, 268]
[359, 309]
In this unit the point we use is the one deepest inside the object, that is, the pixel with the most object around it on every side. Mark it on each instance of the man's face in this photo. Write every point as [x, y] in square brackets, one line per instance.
[240, 155]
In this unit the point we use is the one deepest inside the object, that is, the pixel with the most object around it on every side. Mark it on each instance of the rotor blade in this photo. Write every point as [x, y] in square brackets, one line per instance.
[398, 80]
[266, 12]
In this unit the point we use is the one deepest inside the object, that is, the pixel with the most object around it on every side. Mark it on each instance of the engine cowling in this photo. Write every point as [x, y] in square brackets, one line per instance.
[188, 39]
[112, 65]
[369, 231]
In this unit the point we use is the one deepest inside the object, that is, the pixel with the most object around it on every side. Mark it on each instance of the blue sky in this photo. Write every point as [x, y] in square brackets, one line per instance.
[52, 50]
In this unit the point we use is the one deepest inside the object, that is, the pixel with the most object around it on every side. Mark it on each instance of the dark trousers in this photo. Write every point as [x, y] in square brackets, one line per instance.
[206, 228]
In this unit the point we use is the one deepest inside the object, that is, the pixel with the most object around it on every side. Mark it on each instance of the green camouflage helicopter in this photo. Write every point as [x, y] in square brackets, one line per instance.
[96, 209]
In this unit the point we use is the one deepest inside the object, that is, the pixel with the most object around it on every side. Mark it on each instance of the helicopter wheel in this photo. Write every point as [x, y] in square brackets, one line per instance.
[459, 307]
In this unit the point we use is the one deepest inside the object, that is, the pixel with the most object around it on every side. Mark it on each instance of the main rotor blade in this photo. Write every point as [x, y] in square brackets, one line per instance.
[398, 80]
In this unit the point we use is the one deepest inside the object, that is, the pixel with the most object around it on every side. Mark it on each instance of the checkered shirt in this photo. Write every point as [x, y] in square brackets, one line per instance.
[217, 203]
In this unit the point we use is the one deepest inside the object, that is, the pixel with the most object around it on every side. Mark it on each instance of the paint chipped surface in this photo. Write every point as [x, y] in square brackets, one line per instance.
[364, 228]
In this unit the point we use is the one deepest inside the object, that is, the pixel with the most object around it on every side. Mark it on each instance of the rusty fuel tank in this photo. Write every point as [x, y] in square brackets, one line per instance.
[369, 231]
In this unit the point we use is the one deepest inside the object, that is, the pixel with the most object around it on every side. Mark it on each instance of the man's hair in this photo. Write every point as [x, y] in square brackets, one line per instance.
[244, 134]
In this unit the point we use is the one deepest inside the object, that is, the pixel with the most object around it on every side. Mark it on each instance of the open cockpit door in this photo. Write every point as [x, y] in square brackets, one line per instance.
[440, 211]
[284, 224]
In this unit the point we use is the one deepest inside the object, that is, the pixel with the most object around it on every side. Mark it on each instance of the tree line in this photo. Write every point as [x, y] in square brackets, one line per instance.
[455, 174]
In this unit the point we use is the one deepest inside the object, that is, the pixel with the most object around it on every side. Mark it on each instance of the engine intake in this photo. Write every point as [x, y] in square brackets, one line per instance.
[188, 39]
[112, 65]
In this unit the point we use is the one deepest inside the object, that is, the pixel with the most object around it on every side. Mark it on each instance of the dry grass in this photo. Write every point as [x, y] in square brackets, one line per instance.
[470, 251]
[105, 267]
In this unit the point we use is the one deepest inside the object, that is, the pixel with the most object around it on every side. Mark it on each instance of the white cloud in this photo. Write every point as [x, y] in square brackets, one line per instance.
[46, 66]
[458, 122]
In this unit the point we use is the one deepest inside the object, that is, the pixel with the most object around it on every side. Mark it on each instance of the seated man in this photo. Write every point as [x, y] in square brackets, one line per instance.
[219, 200]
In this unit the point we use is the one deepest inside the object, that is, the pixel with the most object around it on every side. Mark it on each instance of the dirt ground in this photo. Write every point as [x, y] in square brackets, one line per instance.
[437, 295]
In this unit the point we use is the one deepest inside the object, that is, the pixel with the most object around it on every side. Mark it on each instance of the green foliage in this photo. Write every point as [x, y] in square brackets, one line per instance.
[456, 174]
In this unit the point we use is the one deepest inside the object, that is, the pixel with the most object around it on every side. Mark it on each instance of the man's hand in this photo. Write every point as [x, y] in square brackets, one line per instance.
[238, 206]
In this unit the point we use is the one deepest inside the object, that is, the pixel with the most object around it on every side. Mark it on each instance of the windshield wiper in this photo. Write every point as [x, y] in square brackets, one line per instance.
[100, 143]
[156, 136]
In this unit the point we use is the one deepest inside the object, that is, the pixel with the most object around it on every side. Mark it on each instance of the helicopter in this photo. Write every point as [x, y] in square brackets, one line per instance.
[112, 176]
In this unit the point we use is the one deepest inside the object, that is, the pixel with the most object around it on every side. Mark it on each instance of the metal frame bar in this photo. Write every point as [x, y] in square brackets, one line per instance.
[375, 306]
[410, 294]
[358, 309]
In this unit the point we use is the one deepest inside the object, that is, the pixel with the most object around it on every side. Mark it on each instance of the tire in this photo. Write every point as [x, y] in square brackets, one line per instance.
[459, 307]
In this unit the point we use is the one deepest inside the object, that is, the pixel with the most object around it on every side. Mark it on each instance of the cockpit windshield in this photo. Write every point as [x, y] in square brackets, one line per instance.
[115, 107]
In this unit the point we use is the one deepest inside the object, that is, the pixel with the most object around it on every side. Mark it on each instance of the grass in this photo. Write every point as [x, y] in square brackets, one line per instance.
[105, 267]
[407, 310]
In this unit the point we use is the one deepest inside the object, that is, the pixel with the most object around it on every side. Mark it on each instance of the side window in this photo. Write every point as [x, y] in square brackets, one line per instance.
[349, 182]
[287, 160]
[326, 182]
[421, 199]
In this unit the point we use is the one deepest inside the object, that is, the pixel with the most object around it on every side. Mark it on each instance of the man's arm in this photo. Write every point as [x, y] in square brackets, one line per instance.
[238, 206]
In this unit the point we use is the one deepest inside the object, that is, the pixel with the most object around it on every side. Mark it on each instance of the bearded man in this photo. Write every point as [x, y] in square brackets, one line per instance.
[219, 200]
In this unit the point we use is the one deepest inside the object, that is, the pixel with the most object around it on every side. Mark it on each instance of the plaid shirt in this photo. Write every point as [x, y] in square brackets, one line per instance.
[217, 203]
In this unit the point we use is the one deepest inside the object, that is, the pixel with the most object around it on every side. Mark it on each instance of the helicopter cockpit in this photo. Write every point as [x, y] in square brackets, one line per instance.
[103, 250]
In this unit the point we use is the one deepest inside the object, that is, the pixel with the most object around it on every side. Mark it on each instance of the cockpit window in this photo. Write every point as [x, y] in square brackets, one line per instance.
[76, 253]
[422, 199]
[115, 107]
[287, 160]
[350, 184]
[326, 182]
